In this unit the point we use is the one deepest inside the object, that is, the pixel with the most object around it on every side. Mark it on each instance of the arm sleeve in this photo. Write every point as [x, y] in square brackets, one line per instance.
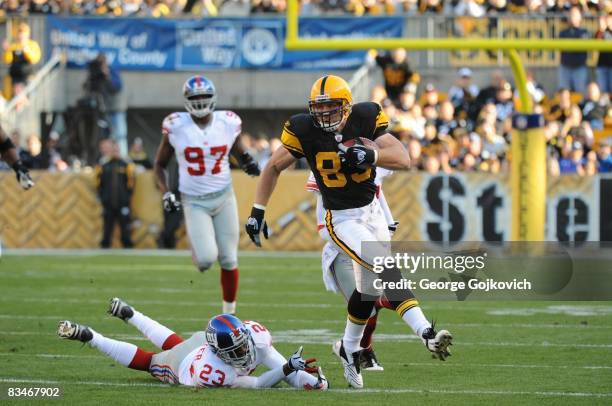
[297, 379]
[382, 122]
[291, 142]
[265, 380]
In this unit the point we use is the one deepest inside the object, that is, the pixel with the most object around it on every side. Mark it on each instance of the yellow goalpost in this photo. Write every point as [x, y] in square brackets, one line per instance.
[528, 175]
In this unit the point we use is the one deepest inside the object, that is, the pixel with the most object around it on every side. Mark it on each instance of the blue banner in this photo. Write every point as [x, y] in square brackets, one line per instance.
[216, 43]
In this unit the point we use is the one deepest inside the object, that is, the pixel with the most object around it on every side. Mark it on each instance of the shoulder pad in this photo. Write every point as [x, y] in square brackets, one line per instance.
[366, 109]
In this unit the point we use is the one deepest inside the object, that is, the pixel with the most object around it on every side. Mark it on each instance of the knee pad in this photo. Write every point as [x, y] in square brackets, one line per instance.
[204, 264]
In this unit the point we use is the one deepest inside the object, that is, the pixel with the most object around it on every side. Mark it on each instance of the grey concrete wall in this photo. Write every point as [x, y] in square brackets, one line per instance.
[237, 89]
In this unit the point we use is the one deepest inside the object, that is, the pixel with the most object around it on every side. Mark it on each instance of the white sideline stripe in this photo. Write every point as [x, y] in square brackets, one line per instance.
[418, 364]
[335, 322]
[292, 336]
[147, 253]
[350, 391]
[175, 302]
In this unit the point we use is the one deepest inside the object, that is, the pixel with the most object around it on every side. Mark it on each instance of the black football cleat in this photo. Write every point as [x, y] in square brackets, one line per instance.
[120, 309]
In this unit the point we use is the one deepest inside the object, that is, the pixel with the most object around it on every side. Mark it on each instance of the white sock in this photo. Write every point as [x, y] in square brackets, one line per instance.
[229, 307]
[352, 336]
[120, 351]
[154, 331]
[416, 320]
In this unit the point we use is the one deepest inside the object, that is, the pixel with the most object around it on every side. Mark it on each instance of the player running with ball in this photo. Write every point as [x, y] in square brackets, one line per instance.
[222, 356]
[201, 139]
[344, 170]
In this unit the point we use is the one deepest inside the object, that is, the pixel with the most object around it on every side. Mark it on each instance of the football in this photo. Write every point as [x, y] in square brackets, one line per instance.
[365, 141]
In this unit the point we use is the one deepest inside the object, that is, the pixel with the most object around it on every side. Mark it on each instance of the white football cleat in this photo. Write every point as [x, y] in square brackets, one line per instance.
[351, 364]
[438, 342]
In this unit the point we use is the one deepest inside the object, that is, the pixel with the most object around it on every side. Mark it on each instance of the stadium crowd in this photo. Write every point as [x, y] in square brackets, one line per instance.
[467, 128]
[164, 8]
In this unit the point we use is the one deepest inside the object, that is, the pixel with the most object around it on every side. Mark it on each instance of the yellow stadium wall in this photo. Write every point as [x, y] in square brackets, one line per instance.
[63, 211]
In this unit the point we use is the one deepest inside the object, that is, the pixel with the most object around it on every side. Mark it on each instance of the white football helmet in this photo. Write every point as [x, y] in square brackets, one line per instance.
[200, 96]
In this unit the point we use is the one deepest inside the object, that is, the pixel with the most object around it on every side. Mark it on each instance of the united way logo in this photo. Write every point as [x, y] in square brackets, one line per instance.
[259, 46]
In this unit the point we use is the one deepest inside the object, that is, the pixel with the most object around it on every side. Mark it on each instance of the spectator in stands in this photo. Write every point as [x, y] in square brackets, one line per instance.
[573, 72]
[31, 156]
[138, 155]
[446, 123]
[487, 94]
[44, 7]
[571, 161]
[504, 101]
[604, 156]
[604, 61]
[56, 162]
[594, 107]
[398, 75]
[471, 8]
[115, 186]
[431, 6]
[14, 7]
[103, 85]
[578, 129]
[22, 53]
[561, 110]
[463, 93]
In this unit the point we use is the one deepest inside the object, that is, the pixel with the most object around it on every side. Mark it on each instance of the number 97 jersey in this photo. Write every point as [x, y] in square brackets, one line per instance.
[202, 153]
[341, 187]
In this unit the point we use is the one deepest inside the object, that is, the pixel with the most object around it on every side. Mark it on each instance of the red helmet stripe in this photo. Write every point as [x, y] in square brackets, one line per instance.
[229, 324]
[198, 80]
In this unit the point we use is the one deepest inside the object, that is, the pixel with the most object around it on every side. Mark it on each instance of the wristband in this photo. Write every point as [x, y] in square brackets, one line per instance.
[259, 206]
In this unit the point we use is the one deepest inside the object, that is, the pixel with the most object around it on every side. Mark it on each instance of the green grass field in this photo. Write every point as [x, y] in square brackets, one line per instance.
[504, 352]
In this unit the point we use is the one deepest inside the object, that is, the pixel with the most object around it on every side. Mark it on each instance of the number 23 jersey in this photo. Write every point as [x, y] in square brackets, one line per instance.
[202, 368]
[341, 187]
[202, 153]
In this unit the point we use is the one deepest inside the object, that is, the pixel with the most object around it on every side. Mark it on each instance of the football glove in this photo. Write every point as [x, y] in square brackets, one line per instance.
[322, 383]
[256, 224]
[358, 156]
[170, 202]
[393, 227]
[297, 363]
[249, 165]
[23, 175]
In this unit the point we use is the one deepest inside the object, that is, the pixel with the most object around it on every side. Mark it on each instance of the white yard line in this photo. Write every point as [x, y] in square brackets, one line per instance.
[148, 253]
[325, 337]
[418, 364]
[175, 302]
[333, 322]
[346, 391]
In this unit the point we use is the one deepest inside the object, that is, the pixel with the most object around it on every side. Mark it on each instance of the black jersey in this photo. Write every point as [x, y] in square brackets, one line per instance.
[341, 187]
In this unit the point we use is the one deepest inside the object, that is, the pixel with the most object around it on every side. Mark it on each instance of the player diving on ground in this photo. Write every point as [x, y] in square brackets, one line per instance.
[224, 355]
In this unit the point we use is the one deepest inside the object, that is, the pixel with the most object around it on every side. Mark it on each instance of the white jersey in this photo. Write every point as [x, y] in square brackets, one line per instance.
[202, 368]
[202, 153]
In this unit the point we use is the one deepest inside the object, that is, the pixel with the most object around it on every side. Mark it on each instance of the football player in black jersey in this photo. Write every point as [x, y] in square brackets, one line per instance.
[345, 177]
[8, 153]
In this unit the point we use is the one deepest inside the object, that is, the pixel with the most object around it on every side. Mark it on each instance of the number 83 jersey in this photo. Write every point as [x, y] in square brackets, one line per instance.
[202, 153]
[341, 187]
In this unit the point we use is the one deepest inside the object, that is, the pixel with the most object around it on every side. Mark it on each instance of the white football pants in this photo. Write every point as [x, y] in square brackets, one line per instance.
[212, 227]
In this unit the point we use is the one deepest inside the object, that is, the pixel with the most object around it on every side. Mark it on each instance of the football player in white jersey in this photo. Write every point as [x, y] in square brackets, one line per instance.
[222, 356]
[201, 139]
[338, 268]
